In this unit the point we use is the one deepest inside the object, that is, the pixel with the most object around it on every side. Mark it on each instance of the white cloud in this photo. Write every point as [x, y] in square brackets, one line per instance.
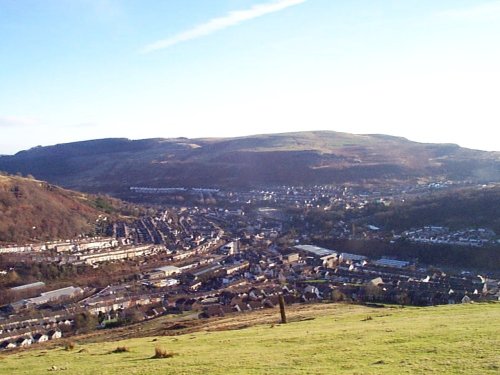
[483, 12]
[231, 19]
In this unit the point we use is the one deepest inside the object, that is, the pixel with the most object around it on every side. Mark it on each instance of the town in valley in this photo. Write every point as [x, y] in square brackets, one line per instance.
[210, 252]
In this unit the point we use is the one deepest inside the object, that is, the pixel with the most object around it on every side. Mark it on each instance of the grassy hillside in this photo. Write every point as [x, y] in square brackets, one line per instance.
[33, 210]
[113, 165]
[321, 339]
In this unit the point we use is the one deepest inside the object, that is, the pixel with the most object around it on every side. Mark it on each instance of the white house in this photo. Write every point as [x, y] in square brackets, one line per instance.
[54, 334]
[40, 337]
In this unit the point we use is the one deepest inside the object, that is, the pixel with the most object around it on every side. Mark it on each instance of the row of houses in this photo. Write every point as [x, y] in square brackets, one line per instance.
[92, 258]
[330, 258]
[475, 237]
[97, 243]
[114, 298]
[25, 341]
[395, 281]
[18, 328]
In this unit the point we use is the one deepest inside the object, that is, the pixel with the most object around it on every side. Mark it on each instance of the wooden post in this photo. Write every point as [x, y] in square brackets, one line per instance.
[282, 309]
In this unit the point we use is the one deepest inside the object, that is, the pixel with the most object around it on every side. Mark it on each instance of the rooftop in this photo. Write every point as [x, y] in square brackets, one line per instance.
[38, 284]
[391, 263]
[354, 257]
[168, 269]
[316, 250]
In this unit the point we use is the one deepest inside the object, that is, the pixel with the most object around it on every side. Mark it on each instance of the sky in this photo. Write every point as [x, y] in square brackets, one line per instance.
[74, 70]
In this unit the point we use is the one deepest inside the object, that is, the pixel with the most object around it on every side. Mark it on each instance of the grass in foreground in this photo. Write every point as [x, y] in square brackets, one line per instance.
[344, 339]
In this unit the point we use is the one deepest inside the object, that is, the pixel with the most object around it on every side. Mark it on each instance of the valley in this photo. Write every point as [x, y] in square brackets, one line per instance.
[173, 257]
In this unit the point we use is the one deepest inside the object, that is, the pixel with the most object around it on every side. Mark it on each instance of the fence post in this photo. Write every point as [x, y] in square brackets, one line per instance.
[282, 309]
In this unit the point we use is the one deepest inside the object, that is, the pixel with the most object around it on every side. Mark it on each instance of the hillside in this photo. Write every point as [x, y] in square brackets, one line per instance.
[320, 339]
[33, 210]
[113, 165]
[457, 209]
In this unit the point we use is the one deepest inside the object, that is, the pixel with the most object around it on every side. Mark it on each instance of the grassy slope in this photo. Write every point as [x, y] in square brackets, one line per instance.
[460, 339]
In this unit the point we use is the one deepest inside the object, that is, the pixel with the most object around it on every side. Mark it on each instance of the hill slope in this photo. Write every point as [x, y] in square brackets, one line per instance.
[457, 209]
[113, 165]
[322, 339]
[32, 210]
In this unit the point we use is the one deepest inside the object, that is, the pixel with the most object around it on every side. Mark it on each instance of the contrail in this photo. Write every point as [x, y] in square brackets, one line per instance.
[215, 24]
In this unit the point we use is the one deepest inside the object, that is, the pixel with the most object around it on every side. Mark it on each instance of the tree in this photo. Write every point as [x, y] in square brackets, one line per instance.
[11, 278]
[338, 296]
[85, 322]
[372, 292]
[130, 316]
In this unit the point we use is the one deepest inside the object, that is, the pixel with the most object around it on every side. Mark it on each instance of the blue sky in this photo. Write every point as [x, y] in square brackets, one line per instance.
[82, 69]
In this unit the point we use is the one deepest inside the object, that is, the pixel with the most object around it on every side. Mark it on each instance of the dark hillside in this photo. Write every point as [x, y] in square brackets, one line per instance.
[457, 209]
[113, 165]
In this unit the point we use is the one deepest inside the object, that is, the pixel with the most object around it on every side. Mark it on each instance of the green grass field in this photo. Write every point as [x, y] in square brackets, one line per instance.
[321, 339]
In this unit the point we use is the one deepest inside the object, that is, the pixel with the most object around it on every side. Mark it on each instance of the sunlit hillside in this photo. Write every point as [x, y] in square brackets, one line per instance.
[33, 210]
[320, 339]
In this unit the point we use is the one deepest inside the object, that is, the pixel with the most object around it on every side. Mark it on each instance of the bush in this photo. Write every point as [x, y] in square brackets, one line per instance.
[121, 349]
[70, 345]
[162, 353]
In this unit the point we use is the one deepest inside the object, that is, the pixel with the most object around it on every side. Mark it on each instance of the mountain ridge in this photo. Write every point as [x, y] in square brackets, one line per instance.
[112, 165]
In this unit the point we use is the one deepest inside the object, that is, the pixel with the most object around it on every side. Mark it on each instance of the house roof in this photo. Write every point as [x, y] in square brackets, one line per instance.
[315, 250]
[38, 284]
[169, 269]
[391, 263]
[5, 344]
[354, 257]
